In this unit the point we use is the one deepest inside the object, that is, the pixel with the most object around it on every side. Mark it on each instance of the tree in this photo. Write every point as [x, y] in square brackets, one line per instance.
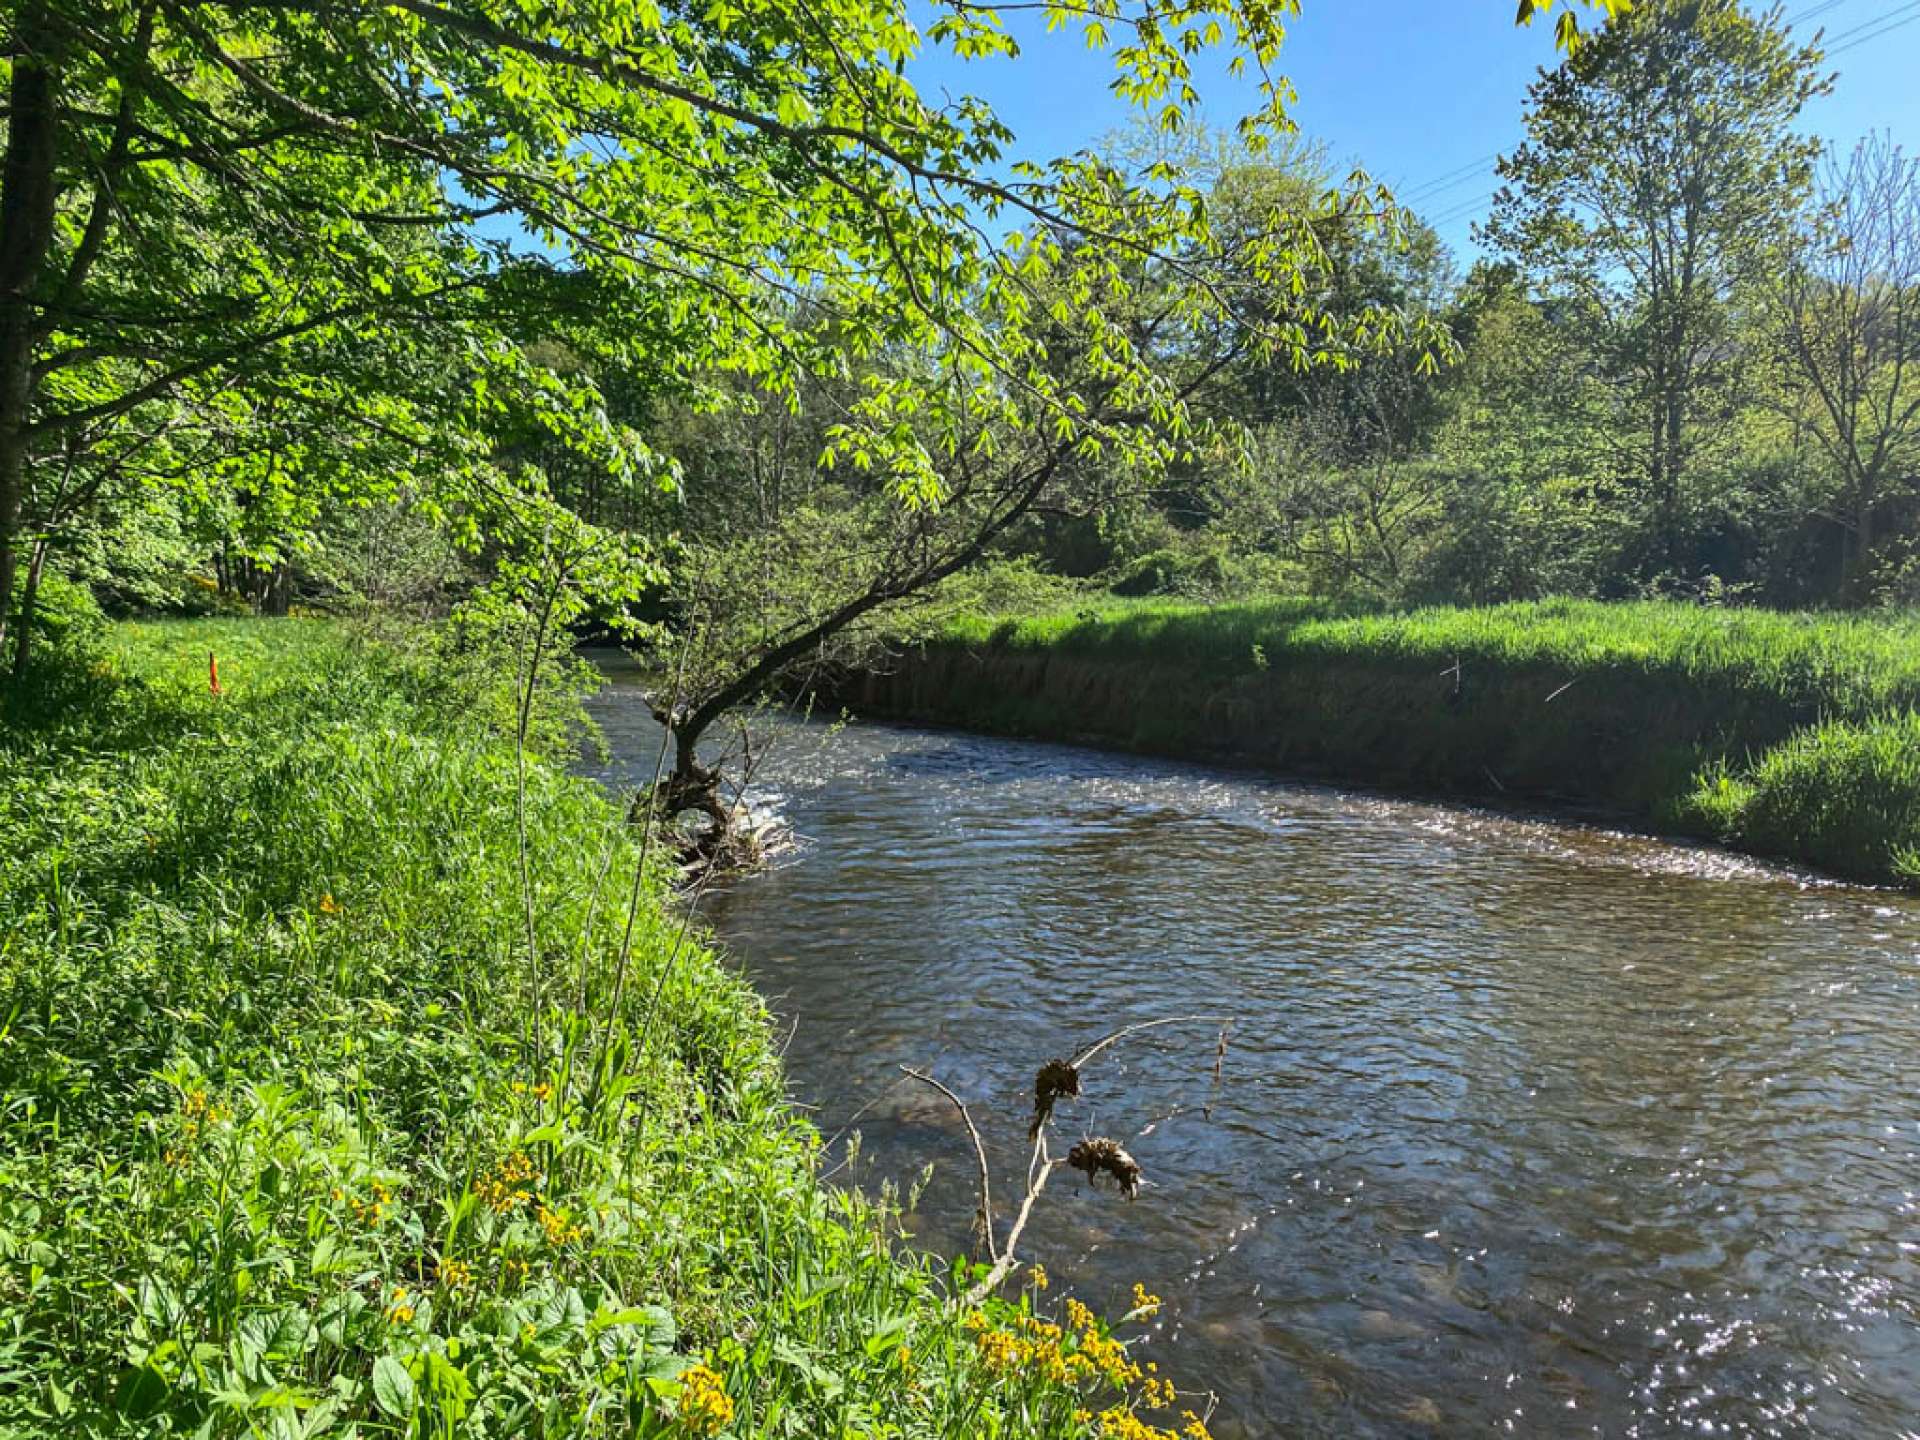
[217, 197]
[1660, 156]
[1846, 307]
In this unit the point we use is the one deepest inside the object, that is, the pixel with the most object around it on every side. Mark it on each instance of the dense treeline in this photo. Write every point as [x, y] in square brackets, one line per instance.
[1684, 368]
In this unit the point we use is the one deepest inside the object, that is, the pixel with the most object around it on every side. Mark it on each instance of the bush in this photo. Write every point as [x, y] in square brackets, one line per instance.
[65, 614]
[1844, 796]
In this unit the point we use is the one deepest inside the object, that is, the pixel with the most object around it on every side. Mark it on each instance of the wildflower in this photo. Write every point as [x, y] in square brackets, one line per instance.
[328, 905]
[455, 1274]
[1144, 1305]
[1119, 1423]
[399, 1311]
[1195, 1428]
[704, 1407]
[559, 1229]
[373, 1210]
[543, 1092]
[1079, 1316]
[1039, 1277]
[506, 1187]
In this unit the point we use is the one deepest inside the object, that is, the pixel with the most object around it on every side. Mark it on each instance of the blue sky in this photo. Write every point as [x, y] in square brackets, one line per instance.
[1423, 102]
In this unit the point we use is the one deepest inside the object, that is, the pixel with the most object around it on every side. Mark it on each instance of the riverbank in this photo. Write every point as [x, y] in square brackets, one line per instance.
[1787, 736]
[297, 1141]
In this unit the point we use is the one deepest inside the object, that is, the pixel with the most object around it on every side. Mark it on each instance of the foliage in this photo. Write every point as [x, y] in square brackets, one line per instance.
[1844, 304]
[1659, 158]
[1845, 795]
[283, 1156]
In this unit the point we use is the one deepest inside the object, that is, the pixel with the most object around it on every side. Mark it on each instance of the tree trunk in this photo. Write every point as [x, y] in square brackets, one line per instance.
[29, 598]
[26, 235]
[1861, 567]
[694, 787]
[277, 590]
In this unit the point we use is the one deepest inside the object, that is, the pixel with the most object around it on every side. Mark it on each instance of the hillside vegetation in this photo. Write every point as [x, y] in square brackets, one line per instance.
[296, 1143]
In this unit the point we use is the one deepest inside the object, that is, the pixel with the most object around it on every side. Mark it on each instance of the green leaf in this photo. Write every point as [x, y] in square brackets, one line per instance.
[393, 1387]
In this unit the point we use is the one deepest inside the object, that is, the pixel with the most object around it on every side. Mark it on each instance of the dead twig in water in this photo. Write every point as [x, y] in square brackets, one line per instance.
[979, 1152]
[1219, 1064]
[1055, 1079]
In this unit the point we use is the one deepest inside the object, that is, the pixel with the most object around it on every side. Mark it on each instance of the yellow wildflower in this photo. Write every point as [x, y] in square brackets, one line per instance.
[1119, 1423]
[560, 1230]
[1144, 1305]
[328, 905]
[506, 1187]
[399, 1311]
[455, 1274]
[1039, 1276]
[1195, 1428]
[704, 1408]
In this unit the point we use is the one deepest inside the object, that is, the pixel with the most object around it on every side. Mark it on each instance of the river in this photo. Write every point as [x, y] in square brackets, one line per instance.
[1521, 1128]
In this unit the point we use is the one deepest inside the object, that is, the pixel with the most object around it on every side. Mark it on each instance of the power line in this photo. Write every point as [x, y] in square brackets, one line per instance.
[1886, 29]
[1451, 179]
[1867, 30]
[1820, 9]
[1834, 47]
[1458, 212]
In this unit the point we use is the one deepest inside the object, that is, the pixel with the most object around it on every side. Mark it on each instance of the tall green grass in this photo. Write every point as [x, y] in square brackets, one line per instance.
[1788, 734]
[1851, 667]
[292, 1148]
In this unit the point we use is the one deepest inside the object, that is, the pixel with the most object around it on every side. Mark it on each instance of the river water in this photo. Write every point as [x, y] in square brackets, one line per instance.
[1521, 1128]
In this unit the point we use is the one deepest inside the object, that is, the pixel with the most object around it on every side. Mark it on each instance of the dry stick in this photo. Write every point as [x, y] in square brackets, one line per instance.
[639, 874]
[1040, 1164]
[979, 1152]
[1005, 1265]
[1094, 1049]
[593, 907]
[520, 812]
[1219, 1064]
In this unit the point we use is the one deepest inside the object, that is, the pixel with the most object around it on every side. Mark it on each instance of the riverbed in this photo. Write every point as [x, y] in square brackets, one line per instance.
[1521, 1127]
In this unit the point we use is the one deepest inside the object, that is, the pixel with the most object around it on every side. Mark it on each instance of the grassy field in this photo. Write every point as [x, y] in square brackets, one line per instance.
[1787, 734]
[298, 1142]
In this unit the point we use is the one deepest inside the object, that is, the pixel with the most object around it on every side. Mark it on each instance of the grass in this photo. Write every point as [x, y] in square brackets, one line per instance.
[291, 1149]
[1837, 666]
[1787, 734]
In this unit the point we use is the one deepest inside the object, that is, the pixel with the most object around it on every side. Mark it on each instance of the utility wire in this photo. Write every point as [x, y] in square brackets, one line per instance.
[1887, 21]
[1821, 9]
[1854, 38]
[1833, 41]
[1451, 179]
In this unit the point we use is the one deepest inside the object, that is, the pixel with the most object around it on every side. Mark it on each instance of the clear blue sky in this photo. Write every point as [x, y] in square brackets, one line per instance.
[1420, 102]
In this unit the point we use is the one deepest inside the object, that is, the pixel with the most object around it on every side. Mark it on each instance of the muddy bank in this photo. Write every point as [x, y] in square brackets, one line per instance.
[1625, 745]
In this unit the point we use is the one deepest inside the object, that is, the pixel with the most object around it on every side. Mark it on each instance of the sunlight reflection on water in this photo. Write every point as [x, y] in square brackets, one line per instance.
[1526, 1128]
